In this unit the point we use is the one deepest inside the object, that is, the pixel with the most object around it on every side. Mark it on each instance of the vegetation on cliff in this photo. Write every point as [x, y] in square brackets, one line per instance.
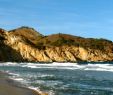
[66, 39]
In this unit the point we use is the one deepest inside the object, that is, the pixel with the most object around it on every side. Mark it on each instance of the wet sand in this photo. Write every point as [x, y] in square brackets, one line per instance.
[11, 87]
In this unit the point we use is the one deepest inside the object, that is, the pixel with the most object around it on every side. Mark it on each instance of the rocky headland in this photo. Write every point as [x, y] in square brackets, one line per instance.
[25, 44]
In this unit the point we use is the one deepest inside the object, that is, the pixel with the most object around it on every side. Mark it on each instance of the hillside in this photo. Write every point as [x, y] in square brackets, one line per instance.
[70, 40]
[27, 45]
[27, 33]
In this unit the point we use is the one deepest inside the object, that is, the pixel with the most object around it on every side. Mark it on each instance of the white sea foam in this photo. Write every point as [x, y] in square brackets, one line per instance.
[41, 92]
[71, 66]
[17, 79]
[99, 67]
[12, 73]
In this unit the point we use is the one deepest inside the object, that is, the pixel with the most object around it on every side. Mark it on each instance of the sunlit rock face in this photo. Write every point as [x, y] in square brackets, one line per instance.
[27, 45]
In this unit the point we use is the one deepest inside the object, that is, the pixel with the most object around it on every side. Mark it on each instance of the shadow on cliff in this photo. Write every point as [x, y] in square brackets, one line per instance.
[7, 54]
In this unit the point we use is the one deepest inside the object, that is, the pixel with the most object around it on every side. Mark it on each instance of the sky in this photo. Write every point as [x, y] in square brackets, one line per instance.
[86, 18]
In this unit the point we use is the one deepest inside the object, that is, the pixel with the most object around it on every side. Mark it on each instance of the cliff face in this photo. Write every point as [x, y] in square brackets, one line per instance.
[54, 48]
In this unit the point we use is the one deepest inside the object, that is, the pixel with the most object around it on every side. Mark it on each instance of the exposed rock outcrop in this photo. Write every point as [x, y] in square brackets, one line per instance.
[19, 46]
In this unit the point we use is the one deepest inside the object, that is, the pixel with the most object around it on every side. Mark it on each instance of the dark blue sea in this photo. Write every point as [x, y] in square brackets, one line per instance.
[63, 78]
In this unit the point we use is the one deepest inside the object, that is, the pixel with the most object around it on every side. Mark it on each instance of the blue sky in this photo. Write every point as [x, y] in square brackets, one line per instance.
[86, 18]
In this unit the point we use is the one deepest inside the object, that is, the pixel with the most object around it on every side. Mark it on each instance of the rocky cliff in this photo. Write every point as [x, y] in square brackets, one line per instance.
[27, 45]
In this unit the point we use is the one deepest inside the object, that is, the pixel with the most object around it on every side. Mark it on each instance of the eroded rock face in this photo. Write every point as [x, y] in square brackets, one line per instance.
[15, 48]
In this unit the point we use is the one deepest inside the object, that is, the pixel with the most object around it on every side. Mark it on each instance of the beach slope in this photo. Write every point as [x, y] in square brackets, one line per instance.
[10, 87]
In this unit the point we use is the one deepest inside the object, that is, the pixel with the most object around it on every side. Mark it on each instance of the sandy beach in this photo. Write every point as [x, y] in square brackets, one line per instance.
[10, 87]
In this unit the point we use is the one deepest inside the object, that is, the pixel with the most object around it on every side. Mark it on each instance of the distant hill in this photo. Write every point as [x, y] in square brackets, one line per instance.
[27, 33]
[25, 44]
[66, 39]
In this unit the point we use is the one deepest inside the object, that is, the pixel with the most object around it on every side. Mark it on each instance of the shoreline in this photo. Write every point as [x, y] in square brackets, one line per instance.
[11, 87]
[46, 62]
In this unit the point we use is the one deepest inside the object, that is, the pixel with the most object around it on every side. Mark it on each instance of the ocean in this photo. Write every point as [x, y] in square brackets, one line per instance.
[63, 78]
